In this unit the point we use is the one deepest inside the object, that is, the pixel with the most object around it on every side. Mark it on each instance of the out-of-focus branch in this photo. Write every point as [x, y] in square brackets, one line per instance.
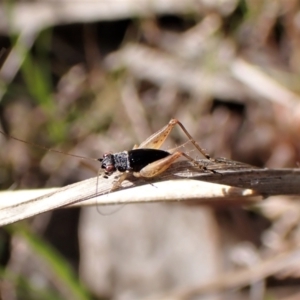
[161, 68]
[40, 14]
[237, 279]
[263, 84]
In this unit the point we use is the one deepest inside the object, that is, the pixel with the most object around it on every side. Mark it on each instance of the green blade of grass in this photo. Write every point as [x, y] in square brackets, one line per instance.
[56, 263]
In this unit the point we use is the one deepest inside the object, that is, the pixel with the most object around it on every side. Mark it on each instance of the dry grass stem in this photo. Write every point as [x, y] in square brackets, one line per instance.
[232, 183]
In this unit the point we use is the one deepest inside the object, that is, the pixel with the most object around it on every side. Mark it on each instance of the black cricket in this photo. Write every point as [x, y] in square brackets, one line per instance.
[133, 160]
[146, 160]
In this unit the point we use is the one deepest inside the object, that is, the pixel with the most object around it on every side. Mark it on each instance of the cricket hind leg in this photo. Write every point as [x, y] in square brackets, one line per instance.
[159, 166]
[195, 163]
[158, 138]
[197, 146]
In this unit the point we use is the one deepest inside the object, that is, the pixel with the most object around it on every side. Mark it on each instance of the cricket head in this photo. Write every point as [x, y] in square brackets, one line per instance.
[108, 163]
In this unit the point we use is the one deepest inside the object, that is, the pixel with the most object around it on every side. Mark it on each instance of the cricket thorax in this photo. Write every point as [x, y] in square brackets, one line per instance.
[121, 161]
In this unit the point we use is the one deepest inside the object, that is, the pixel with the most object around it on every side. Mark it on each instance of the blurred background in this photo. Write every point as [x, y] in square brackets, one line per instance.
[88, 77]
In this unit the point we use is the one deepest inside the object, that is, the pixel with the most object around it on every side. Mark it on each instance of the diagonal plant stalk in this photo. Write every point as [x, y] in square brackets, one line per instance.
[231, 183]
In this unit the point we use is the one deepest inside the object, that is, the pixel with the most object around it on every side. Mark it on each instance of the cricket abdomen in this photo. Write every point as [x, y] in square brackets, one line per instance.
[140, 158]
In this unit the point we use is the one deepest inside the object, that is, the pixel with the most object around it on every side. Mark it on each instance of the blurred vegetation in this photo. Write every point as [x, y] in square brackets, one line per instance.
[88, 84]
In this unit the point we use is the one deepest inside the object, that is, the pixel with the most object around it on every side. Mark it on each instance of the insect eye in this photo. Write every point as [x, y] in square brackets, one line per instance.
[110, 168]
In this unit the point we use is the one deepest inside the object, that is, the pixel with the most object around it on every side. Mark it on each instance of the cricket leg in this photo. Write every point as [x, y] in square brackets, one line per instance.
[116, 184]
[158, 138]
[163, 164]
[158, 166]
[197, 146]
[119, 181]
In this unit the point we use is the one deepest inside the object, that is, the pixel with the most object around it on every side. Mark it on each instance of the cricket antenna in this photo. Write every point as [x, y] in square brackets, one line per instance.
[45, 148]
